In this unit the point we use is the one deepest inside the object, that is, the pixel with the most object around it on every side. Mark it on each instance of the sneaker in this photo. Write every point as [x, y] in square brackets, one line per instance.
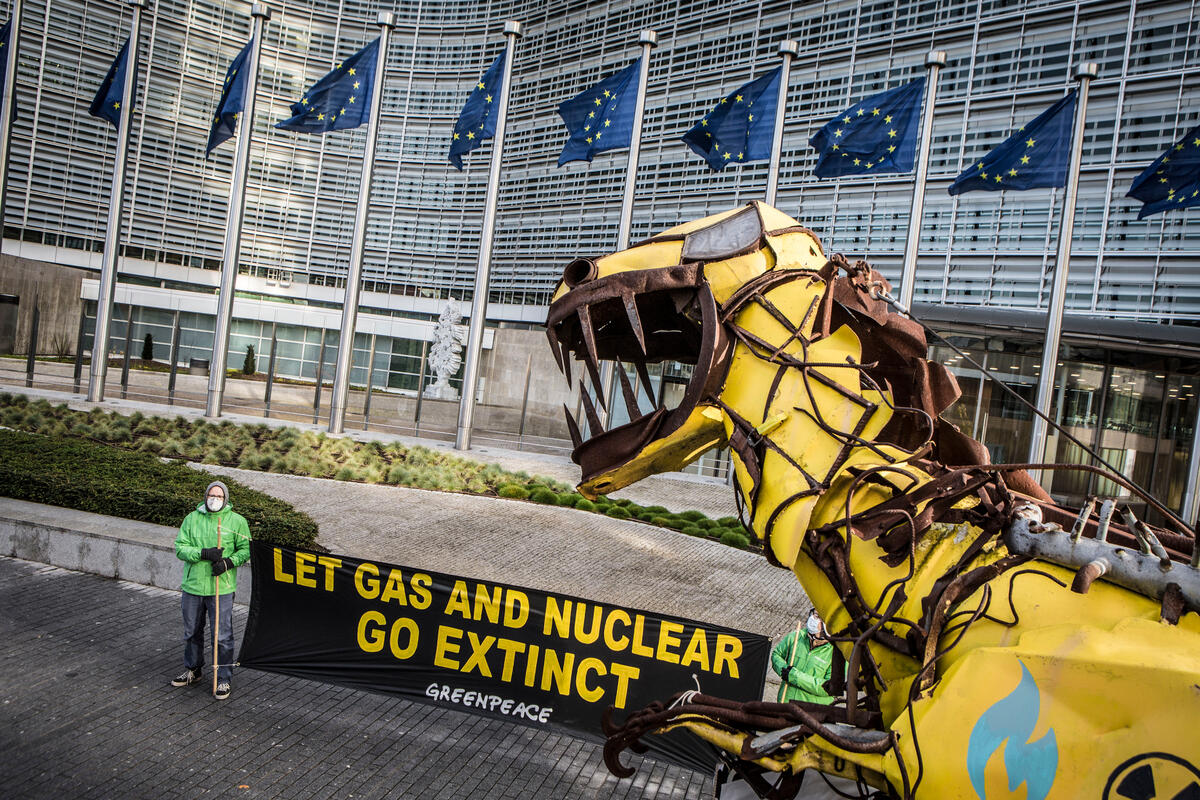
[187, 678]
[222, 691]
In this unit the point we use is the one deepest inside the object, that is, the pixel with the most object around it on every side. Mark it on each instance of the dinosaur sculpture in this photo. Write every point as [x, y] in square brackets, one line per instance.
[985, 646]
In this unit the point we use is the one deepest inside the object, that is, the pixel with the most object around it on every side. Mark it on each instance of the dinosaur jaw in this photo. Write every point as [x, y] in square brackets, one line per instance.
[640, 317]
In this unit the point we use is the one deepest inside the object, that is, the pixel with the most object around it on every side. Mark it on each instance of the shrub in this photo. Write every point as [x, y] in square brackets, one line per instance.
[513, 491]
[617, 512]
[569, 499]
[248, 365]
[585, 505]
[346, 474]
[729, 522]
[691, 516]
[691, 530]
[657, 510]
[148, 348]
[735, 539]
[106, 480]
[544, 496]
[706, 524]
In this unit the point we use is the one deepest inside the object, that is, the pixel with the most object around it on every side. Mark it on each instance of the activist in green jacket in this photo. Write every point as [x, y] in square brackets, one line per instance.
[803, 659]
[199, 533]
[209, 580]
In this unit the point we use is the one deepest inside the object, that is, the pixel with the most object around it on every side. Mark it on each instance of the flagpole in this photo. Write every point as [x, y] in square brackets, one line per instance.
[466, 404]
[7, 94]
[647, 39]
[233, 218]
[934, 61]
[1062, 266]
[345, 354]
[112, 234]
[789, 49]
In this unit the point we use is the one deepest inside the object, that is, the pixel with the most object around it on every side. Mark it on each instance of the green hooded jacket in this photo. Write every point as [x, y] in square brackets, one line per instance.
[198, 531]
[810, 666]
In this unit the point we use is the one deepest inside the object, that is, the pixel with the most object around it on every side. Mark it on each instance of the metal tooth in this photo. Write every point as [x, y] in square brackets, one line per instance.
[644, 377]
[591, 359]
[572, 428]
[631, 402]
[589, 409]
[635, 321]
[566, 361]
[554, 347]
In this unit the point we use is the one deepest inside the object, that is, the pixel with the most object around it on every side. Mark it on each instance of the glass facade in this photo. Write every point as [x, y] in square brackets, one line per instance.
[1007, 61]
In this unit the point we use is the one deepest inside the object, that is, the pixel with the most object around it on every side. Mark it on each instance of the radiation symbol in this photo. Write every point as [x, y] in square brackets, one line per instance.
[1154, 776]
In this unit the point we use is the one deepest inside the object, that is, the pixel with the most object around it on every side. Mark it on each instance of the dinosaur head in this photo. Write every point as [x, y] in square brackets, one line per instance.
[660, 300]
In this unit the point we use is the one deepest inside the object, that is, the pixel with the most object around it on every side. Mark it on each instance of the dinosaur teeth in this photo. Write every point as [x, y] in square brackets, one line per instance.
[635, 321]
[631, 402]
[555, 348]
[573, 428]
[592, 417]
[590, 357]
[644, 377]
[565, 361]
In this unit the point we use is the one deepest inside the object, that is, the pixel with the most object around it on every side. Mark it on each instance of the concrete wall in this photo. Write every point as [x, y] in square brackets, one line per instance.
[504, 381]
[56, 290]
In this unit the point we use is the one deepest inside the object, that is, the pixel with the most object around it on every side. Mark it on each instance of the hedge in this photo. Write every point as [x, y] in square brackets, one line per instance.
[133, 485]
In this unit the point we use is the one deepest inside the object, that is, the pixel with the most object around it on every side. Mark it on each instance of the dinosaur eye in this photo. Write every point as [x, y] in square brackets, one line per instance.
[730, 236]
[581, 270]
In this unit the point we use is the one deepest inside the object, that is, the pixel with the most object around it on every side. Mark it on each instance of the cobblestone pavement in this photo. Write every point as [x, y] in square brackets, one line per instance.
[86, 711]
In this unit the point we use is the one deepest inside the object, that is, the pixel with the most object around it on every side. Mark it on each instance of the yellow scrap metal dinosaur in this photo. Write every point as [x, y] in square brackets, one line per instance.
[991, 639]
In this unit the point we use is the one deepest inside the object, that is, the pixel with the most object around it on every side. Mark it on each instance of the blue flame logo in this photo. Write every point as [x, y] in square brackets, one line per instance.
[1012, 720]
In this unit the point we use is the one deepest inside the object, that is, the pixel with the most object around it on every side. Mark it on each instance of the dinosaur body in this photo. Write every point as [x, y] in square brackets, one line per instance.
[972, 668]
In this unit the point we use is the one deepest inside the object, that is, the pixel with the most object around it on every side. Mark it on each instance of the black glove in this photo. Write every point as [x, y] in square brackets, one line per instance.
[786, 670]
[222, 565]
[212, 554]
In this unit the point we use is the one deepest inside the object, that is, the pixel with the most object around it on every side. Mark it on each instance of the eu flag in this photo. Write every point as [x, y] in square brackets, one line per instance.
[5, 34]
[1036, 155]
[1173, 180]
[600, 118]
[233, 99]
[340, 100]
[477, 121]
[877, 135]
[741, 127]
[107, 103]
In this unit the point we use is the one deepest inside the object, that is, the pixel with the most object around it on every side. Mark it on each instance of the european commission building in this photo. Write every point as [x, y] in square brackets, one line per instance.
[1130, 364]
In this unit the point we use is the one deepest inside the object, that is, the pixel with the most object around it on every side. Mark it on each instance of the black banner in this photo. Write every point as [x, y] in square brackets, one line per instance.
[518, 654]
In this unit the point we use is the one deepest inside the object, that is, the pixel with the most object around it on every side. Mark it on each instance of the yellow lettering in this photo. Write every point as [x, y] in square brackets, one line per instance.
[614, 643]
[478, 652]
[697, 650]
[374, 642]
[458, 602]
[593, 633]
[559, 618]
[405, 624]
[557, 671]
[624, 675]
[420, 587]
[368, 588]
[306, 570]
[667, 637]
[729, 649]
[330, 564]
[510, 648]
[639, 647]
[394, 588]
[488, 604]
[516, 609]
[280, 575]
[445, 647]
[589, 665]
[531, 665]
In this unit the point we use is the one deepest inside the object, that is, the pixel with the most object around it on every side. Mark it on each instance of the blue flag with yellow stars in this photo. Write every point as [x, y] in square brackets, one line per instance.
[1173, 180]
[1035, 156]
[742, 126]
[340, 100]
[600, 118]
[478, 118]
[107, 103]
[877, 135]
[233, 99]
[5, 33]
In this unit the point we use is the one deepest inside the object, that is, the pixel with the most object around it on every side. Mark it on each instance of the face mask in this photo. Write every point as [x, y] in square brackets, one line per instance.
[215, 503]
[813, 626]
